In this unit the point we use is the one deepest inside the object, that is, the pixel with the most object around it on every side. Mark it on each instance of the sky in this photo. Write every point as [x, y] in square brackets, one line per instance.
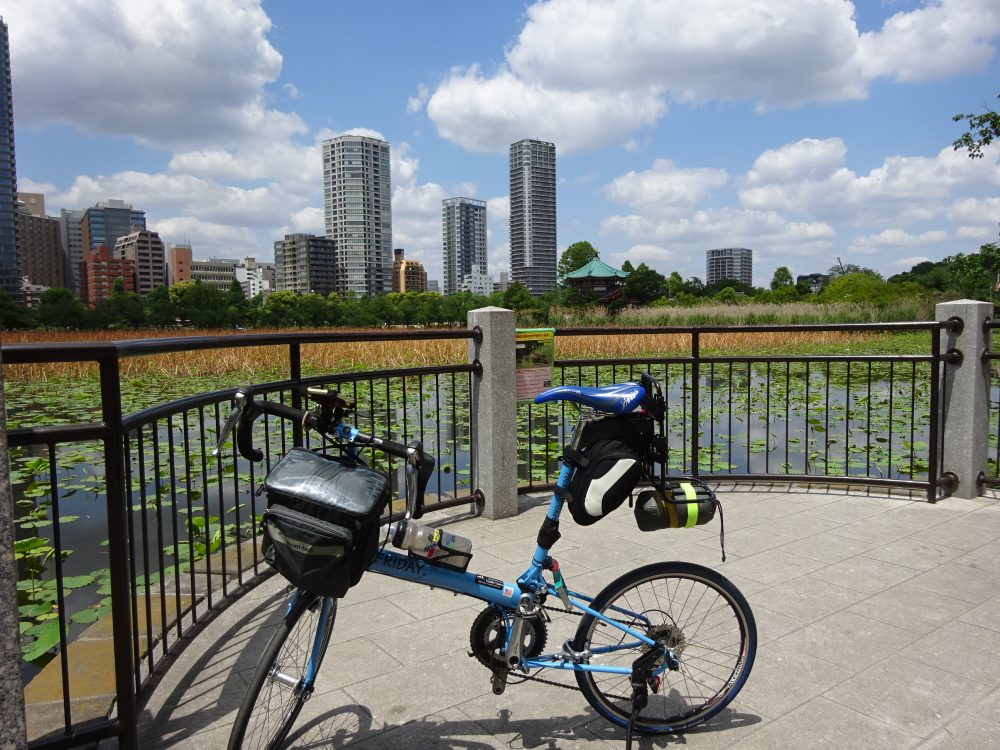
[806, 130]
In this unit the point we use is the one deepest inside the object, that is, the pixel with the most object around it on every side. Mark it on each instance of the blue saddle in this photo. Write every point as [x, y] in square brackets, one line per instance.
[620, 398]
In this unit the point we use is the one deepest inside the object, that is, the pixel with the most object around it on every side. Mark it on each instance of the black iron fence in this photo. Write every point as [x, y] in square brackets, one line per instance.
[180, 524]
[179, 539]
[991, 360]
[864, 419]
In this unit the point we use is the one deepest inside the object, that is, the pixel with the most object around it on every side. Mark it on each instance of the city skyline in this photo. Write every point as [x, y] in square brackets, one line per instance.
[819, 130]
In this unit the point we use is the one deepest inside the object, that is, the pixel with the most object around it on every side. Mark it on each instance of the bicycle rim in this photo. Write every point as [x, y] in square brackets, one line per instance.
[282, 681]
[700, 614]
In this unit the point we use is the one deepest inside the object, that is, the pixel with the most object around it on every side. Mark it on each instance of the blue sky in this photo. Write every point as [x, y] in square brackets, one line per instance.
[804, 130]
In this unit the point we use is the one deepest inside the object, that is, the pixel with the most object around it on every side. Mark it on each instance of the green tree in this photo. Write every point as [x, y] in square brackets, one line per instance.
[627, 266]
[202, 305]
[60, 308]
[282, 309]
[643, 286]
[845, 269]
[782, 277]
[13, 315]
[160, 311]
[575, 256]
[517, 297]
[120, 309]
[728, 296]
[983, 129]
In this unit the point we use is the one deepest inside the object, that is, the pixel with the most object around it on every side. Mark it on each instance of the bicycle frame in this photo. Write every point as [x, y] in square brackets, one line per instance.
[505, 595]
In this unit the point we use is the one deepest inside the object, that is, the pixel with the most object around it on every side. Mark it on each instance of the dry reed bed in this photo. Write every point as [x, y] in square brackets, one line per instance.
[271, 362]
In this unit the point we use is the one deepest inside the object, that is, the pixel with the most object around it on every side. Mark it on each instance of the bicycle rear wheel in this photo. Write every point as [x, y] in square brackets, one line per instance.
[286, 673]
[697, 613]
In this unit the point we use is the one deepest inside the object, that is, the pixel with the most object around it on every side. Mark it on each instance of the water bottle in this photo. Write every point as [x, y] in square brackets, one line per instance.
[435, 545]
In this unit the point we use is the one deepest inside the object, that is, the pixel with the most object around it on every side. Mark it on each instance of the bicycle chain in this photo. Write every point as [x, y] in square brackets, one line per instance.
[525, 677]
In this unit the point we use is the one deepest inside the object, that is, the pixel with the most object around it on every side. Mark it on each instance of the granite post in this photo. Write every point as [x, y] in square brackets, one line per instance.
[965, 399]
[13, 733]
[494, 411]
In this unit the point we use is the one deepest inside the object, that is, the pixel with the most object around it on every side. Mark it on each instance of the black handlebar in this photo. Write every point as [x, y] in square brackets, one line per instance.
[419, 465]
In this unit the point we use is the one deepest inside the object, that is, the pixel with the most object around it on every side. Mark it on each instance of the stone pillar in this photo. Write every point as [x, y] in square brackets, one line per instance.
[12, 726]
[965, 400]
[494, 411]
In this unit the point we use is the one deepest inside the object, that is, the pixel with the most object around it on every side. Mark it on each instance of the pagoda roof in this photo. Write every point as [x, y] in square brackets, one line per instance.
[597, 269]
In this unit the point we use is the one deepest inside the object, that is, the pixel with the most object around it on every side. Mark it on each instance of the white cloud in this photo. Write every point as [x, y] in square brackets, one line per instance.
[207, 239]
[586, 73]
[665, 186]
[908, 263]
[648, 254]
[292, 90]
[165, 72]
[27, 185]
[483, 113]
[416, 103]
[895, 239]
[809, 178]
[938, 40]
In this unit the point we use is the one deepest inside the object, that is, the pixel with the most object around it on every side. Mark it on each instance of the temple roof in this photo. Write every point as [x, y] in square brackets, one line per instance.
[596, 269]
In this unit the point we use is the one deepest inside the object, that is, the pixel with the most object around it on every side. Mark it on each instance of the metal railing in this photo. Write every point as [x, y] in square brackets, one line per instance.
[991, 478]
[181, 524]
[835, 419]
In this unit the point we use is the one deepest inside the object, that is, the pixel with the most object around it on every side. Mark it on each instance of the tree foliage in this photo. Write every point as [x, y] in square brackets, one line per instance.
[575, 256]
[983, 129]
[782, 277]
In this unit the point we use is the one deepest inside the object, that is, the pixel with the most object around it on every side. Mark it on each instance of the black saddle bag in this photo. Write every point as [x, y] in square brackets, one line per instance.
[611, 457]
[321, 526]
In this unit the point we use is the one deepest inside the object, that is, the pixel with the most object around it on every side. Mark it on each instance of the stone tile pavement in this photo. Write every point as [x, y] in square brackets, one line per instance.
[878, 619]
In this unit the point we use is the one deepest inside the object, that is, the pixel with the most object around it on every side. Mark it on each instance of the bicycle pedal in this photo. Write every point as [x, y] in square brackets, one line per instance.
[499, 682]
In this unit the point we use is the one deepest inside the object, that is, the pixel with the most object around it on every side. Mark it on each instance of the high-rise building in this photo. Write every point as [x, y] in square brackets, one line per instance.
[178, 263]
[254, 277]
[10, 271]
[104, 223]
[407, 275]
[40, 249]
[217, 272]
[463, 239]
[71, 234]
[145, 250]
[306, 264]
[33, 203]
[533, 215]
[357, 202]
[100, 269]
[734, 263]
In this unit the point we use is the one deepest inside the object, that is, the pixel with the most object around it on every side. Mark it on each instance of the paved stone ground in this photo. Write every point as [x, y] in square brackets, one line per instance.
[878, 618]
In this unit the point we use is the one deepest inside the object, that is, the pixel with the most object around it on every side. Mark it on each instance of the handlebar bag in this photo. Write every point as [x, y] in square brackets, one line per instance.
[321, 526]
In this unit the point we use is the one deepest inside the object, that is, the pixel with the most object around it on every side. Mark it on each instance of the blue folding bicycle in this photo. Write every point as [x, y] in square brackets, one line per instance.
[659, 650]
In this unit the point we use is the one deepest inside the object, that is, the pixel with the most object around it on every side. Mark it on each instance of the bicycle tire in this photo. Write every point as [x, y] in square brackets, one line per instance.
[696, 609]
[272, 701]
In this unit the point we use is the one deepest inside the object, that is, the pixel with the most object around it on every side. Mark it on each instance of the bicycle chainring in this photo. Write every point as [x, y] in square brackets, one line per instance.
[487, 635]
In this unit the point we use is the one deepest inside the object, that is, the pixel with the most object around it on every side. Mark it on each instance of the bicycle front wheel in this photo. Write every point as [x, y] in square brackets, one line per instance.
[286, 673]
[700, 615]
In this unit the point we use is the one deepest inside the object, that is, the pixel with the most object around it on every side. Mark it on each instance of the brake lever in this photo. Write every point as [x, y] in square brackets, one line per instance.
[239, 405]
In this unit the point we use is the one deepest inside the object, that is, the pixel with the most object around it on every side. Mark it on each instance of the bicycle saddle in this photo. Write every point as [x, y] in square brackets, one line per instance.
[620, 398]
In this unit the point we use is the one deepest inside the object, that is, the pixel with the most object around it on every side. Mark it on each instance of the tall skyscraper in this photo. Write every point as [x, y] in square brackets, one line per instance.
[357, 201]
[734, 263]
[463, 237]
[533, 215]
[104, 223]
[145, 250]
[10, 272]
[306, 264]
[71, 234]
[39, 249]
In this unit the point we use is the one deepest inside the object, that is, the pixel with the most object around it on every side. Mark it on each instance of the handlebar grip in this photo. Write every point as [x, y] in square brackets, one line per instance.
[244, 435]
